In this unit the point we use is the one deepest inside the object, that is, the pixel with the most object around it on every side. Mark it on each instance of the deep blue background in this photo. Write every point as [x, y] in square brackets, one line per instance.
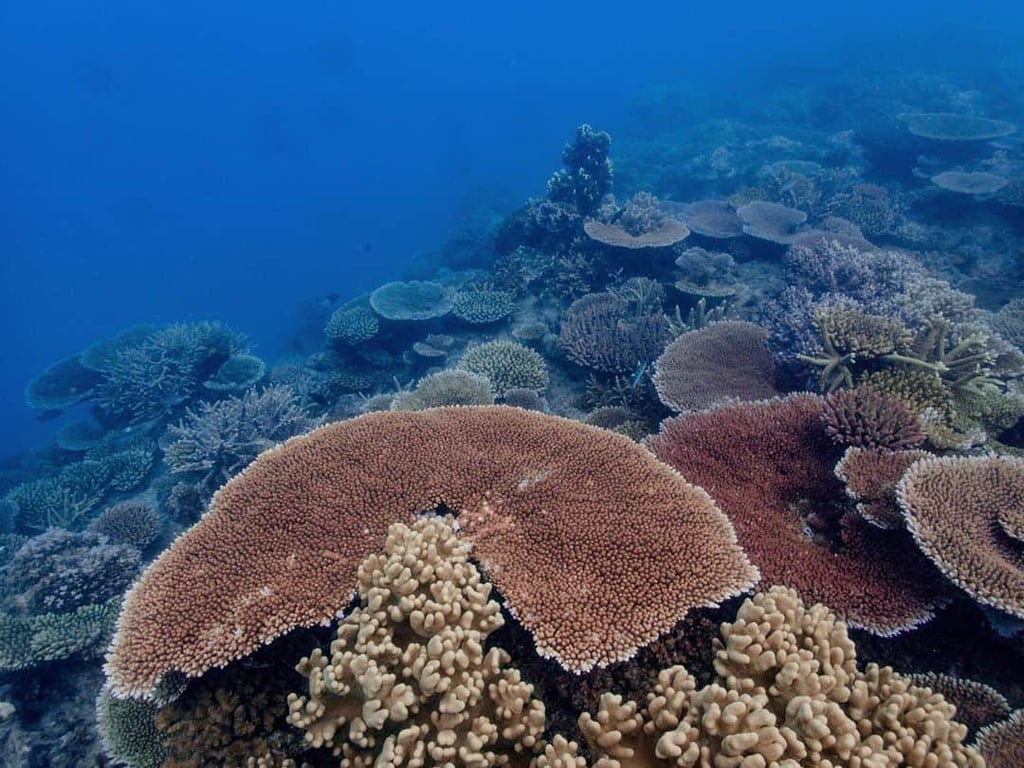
[232, 160]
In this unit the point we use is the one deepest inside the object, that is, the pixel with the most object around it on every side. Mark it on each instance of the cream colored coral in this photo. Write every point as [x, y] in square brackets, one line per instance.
[407, 681]
[788, 693]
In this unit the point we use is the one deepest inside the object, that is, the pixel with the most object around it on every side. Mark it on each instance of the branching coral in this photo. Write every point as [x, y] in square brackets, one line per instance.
[219, 439]
[787, 692]
[408, 679]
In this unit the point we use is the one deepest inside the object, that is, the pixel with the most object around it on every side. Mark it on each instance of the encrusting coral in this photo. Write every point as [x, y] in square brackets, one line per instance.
[408, 681]
[597, 546]
[787, 693]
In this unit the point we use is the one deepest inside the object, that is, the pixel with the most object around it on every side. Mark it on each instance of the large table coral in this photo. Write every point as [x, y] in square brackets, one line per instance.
[597, 546]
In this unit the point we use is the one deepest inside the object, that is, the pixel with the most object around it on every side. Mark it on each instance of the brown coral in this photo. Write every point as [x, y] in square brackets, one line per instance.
[728, 360]
[769, 466]
[669, 232]
[1002, 744]
[787, 693]
[867, 418]
[603, 332]
[952, 506]
[597, 547]
[870, 476]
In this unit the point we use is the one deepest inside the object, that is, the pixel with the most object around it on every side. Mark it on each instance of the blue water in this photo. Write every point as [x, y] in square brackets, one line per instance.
[238, 161]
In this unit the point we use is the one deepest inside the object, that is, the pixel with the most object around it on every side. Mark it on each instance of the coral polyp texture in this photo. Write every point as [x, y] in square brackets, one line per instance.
[769, 466]
[953, 506]
[597, 547]
[787, 692]
[727, 360]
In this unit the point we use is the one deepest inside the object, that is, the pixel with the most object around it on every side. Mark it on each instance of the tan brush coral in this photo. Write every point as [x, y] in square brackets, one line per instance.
[597, 546]
[953, 506]
[1002, 744]
[728, 360]
[787, 693]
[408, 678]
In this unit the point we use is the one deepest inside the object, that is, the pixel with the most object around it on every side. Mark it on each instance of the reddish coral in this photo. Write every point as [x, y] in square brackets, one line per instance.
[769, 465]
[870, 476]
[597, 547]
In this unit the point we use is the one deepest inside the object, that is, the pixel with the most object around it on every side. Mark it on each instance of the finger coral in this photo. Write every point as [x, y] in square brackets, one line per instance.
[597, 547]
[787, 692]
[408, 679]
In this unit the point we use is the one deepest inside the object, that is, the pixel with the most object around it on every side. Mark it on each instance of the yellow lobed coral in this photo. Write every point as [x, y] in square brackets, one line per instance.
[787, 693]
[408, 679]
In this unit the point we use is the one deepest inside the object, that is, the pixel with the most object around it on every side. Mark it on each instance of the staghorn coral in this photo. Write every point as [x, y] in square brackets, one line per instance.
[951, 506]
[866, 418]
[219, 439]
[787, 692]
[507, 365]
[597, 547]
[728, 360]
[769, 465]
[408, 680]
[149, 377]
[604, 332]
[50, 502]
[870, 476]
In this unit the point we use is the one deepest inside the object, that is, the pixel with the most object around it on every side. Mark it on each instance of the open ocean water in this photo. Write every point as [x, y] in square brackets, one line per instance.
[224, 225]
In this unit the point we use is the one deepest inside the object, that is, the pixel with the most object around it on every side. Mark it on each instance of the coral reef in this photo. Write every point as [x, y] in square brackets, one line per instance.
[607, 333]
[866, 418]
[218, 439]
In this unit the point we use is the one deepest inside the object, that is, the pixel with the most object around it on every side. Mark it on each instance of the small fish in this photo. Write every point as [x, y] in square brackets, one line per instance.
[638, 374]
